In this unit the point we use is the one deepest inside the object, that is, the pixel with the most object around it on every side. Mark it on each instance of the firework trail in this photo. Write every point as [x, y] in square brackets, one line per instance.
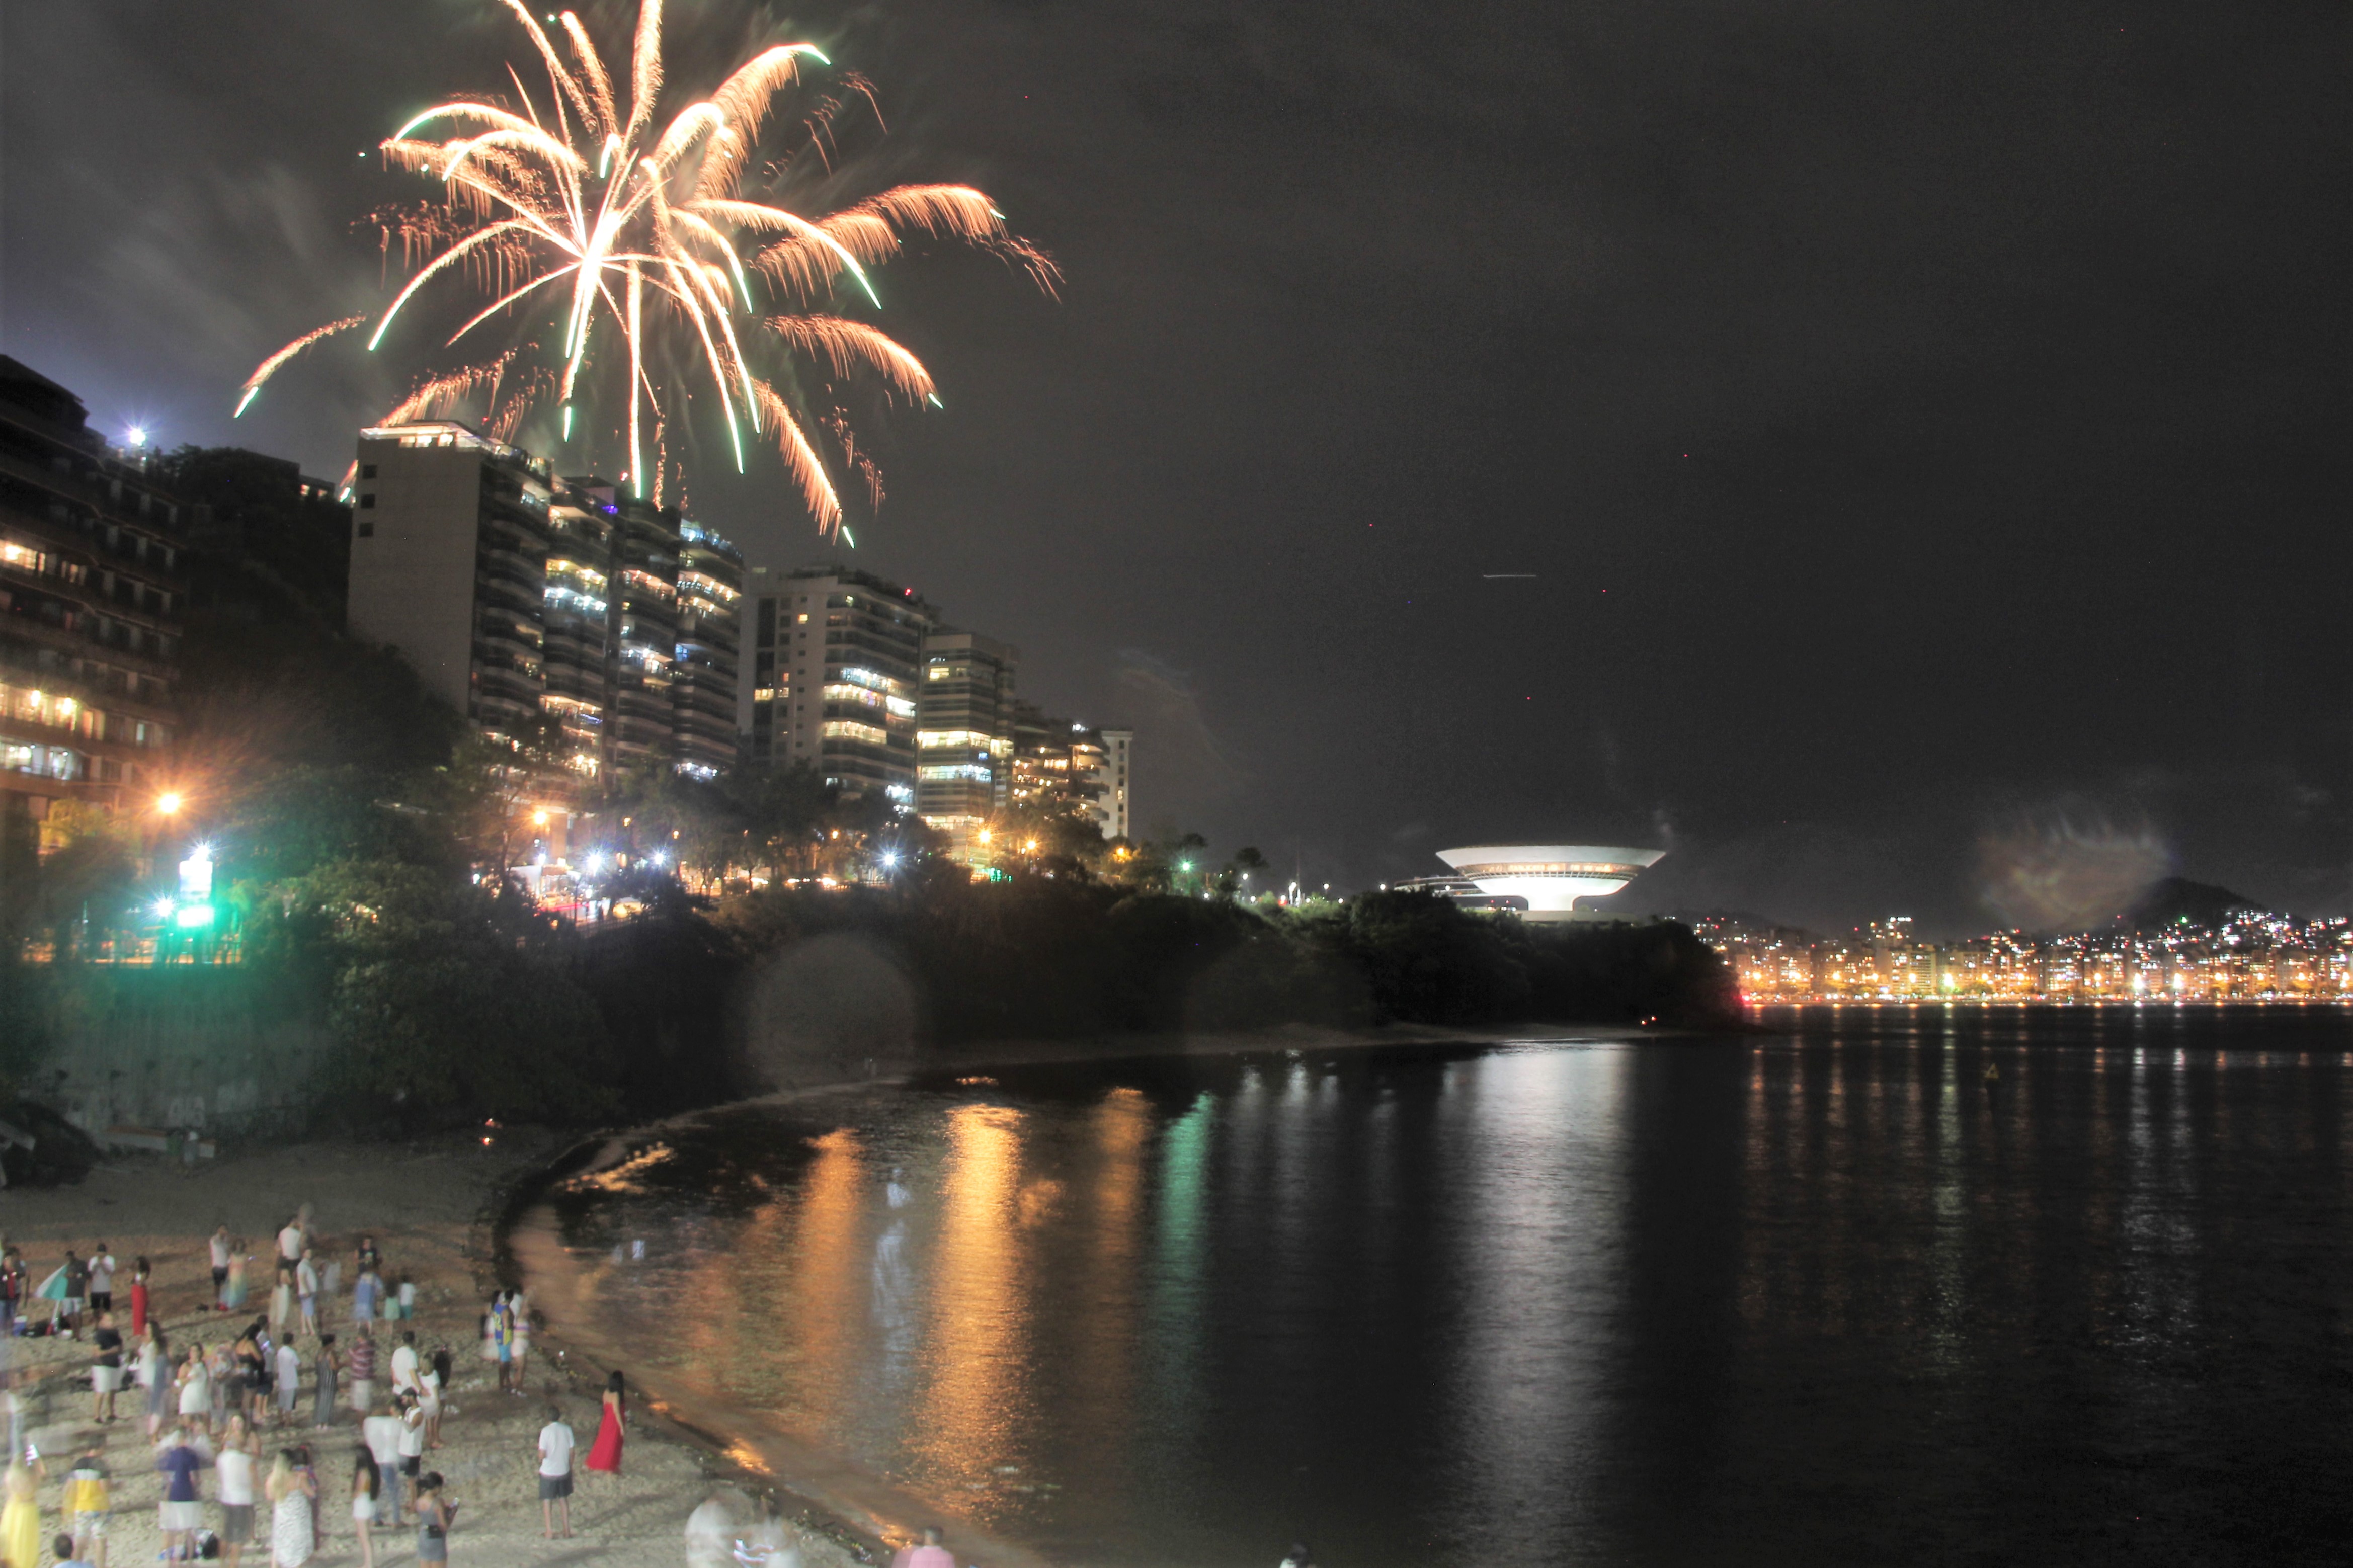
[633, 247]
[268, 367]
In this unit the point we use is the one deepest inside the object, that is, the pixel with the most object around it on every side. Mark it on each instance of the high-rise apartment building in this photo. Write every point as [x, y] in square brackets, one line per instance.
[964, 736]
[640, 630]
[1112, 780]
[577, 608]
[1061, 767]
[92, 586]
[835, 654]
[708, 668]
[515, 593]
[449, 545]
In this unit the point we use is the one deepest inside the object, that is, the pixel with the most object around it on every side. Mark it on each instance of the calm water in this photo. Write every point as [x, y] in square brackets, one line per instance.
[1832, 1297]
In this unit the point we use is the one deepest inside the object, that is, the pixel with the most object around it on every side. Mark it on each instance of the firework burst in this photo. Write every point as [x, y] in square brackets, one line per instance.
[616, 272]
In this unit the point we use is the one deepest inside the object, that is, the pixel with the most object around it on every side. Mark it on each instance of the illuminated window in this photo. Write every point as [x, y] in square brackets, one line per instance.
[972, 771]
[847, 730]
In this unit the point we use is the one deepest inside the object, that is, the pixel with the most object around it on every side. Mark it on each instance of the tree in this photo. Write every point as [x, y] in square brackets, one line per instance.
[449, 999]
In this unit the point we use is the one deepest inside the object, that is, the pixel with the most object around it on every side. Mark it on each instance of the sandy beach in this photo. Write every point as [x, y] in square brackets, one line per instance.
[430, 1208]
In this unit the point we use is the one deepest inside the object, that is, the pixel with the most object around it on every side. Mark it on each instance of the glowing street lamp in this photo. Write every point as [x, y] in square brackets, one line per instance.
[539, 817]
[169, 802]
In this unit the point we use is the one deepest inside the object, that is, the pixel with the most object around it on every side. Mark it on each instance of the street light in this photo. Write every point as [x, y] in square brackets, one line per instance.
[539, 817]
[169, 802]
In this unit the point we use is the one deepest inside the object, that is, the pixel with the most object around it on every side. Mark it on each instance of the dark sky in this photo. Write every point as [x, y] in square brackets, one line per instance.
[1926, 424]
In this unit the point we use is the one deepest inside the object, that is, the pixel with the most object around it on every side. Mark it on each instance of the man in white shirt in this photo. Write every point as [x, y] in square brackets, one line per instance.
[403, 1367]
[234, 1470]
[381, 1432]
[555, 1472]
[220, 1267]
[101, 1280]
[290, 1241]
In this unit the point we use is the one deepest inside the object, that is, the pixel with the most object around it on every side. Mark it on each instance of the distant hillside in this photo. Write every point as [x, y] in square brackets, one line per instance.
[2168, 902]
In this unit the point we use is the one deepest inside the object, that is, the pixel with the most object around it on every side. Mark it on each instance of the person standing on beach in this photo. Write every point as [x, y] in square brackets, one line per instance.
[612, 1424]
[404, 1365]
[88, 1505]
[101, 1280]
[362, 1364]
[290, 1242]
[291, 1536]
[502, 1343]
[365, 1484]
[306, 1290]
[105, 1369]
[183, 1513]
[521, 1347]
[77, 1292]
[381, 1432]
[289, 1378]
[556, 1473]
[196, 1386]
[412, 1439]
[20, 1521]
[234, 1469]
[435, 1514]
[139, 1274]
[156, 1377]
[220, 1251]
[324, 1367]
[434, 1381]
[368, 1292]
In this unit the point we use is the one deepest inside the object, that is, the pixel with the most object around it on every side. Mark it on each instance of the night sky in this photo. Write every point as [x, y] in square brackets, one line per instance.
[1926, 425]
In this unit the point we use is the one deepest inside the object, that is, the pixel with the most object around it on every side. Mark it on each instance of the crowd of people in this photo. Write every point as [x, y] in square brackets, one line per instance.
[229, 1415]
[232, 1408]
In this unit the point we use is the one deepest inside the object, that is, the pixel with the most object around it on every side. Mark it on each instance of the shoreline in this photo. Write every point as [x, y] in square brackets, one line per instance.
[813, 1472]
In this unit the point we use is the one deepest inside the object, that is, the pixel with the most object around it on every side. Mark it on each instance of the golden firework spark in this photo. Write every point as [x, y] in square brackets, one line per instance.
[636, 251]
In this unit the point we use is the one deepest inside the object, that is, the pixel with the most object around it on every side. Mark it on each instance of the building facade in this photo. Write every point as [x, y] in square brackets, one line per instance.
[707, 668]
[1118, 745]
[450, 544]
[517, 594]
[964, 736]
[837, 655]
[93, 584]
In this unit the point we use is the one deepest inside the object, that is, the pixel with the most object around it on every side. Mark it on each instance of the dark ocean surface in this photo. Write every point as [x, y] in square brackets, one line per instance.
[1919, 1285]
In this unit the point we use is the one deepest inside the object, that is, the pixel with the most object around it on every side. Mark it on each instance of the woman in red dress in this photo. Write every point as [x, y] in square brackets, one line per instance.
[139, 1299]
[604, 1454]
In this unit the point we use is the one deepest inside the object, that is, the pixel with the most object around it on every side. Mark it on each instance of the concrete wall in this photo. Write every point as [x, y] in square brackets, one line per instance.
[167, 1048]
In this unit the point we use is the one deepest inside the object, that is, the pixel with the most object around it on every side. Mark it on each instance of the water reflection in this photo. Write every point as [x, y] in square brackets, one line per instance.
[1778, 1301]
[973, 1408]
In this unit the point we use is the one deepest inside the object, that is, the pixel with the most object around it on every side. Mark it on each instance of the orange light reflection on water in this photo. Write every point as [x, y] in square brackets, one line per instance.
[976, 1386]
[825, 1297]
[1106, 1332]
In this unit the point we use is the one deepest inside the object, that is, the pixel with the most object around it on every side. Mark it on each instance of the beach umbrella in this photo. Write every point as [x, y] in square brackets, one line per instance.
[53, 1288]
